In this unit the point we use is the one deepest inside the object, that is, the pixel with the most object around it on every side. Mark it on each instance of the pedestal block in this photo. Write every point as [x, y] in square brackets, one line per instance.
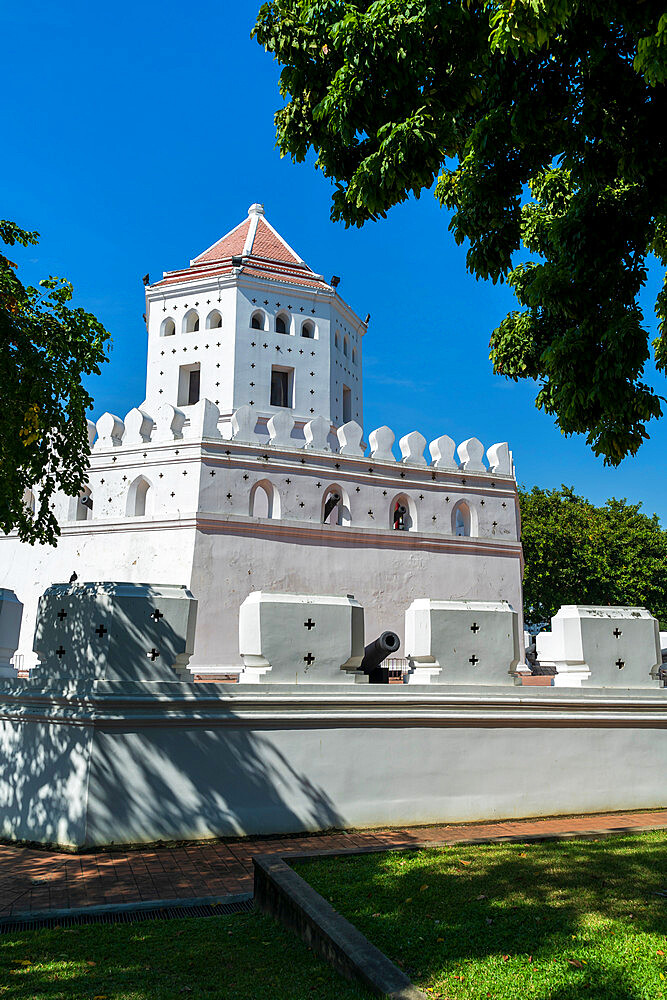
[602, 647]
[115, 631]
[11, 612]
[462, 642]
[301, 639]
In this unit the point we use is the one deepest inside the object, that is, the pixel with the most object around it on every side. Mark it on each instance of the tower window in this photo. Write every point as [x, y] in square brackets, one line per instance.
[347, 404]
[193, 387]
[168, 328]
[214, 320]
[308, 330]
[191, 322]
[189, 380]
[257, 320]
[281, 324]
[346, 346]
[281, 386]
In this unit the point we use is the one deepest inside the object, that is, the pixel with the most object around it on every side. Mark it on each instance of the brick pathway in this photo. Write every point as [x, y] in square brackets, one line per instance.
[33, 880]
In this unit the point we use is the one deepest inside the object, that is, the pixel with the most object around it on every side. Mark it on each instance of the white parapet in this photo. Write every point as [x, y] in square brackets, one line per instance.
[301, 639]
[462, 642]
[11, 612]
[602, 647]
[114, 631]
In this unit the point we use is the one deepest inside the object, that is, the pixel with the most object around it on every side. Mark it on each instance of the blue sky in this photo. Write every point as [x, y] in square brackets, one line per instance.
[136, 135]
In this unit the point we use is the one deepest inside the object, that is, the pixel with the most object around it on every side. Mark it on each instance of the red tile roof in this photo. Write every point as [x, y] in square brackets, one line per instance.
[266, 255]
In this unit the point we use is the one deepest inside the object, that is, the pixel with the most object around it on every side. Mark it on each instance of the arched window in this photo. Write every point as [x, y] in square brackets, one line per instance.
[214, 320]
[282, 323]
[139, 498]
[346, 346]
[168, 328]
[308, 330]
[337, 340]
[354, 355]
[336, 511]
[257, 321]
[29, 500]
[463, 520]
[191, 321]
[402, 514]
[82, 506]
[264, 500]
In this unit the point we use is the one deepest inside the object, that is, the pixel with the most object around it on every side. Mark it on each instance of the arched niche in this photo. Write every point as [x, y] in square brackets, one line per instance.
[402, 521]
[140, 498]
[282, 323]
[258, 320]
[214, 320]
[464, 520]
[340, 514]
[354, 355]
[308, 330]
[81, 507]
[191, 321]
[168, 327]
[346, 346]
[264, 500]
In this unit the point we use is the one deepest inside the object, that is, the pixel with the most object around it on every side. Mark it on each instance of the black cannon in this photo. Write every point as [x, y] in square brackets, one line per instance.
[332, 501]
[375, 653]
[399, 517]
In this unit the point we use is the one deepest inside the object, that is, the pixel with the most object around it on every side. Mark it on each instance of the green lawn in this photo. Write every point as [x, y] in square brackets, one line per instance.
[245, 957]
[567, 920]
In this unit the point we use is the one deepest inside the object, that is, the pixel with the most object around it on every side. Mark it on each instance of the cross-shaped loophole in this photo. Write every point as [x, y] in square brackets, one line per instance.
[620, 664]
[156, 615]
[473, 659]
[101, 630]
[309, 658]
[60, 652]
[152, 654]
[309, 624]
[617, 632]
[62, 614]
[474, 627]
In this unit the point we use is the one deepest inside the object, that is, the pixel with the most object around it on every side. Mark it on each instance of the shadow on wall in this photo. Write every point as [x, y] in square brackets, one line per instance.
[171, 775]
[167, 783]
[113, 631]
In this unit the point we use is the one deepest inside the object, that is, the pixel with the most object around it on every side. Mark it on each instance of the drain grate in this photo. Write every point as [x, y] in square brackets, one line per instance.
[128, 916]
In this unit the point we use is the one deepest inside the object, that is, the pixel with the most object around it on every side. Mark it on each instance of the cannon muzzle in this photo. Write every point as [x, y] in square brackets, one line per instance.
[376, 652]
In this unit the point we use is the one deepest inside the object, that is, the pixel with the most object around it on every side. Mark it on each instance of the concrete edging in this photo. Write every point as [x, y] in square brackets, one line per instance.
[282, 893]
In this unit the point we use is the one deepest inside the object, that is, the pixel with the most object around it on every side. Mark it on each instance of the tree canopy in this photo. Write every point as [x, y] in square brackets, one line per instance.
[541, 122]
[577, 553]
[46, 346]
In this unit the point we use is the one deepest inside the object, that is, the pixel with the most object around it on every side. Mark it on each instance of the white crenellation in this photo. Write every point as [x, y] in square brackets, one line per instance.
[442, 452]
[499, 459]
[244, 422]
[169, 421]
[138, 427]
[92, 432]
[109, 431]
[203, 420]
[471, 453]
[316, 434]
[412, 448]
[349, 439]
[280, 427]
[381, 441]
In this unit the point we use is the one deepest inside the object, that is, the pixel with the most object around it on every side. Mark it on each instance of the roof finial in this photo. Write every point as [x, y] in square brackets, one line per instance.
[256, 209]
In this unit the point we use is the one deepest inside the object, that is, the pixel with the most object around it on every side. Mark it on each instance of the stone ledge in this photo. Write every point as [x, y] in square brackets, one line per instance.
[283, 894]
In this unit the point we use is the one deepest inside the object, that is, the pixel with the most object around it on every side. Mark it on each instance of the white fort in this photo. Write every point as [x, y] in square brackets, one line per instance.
[240, 528]
[224, 479]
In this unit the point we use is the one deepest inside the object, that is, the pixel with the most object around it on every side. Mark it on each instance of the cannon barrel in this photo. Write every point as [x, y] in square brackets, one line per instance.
[377, 651]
